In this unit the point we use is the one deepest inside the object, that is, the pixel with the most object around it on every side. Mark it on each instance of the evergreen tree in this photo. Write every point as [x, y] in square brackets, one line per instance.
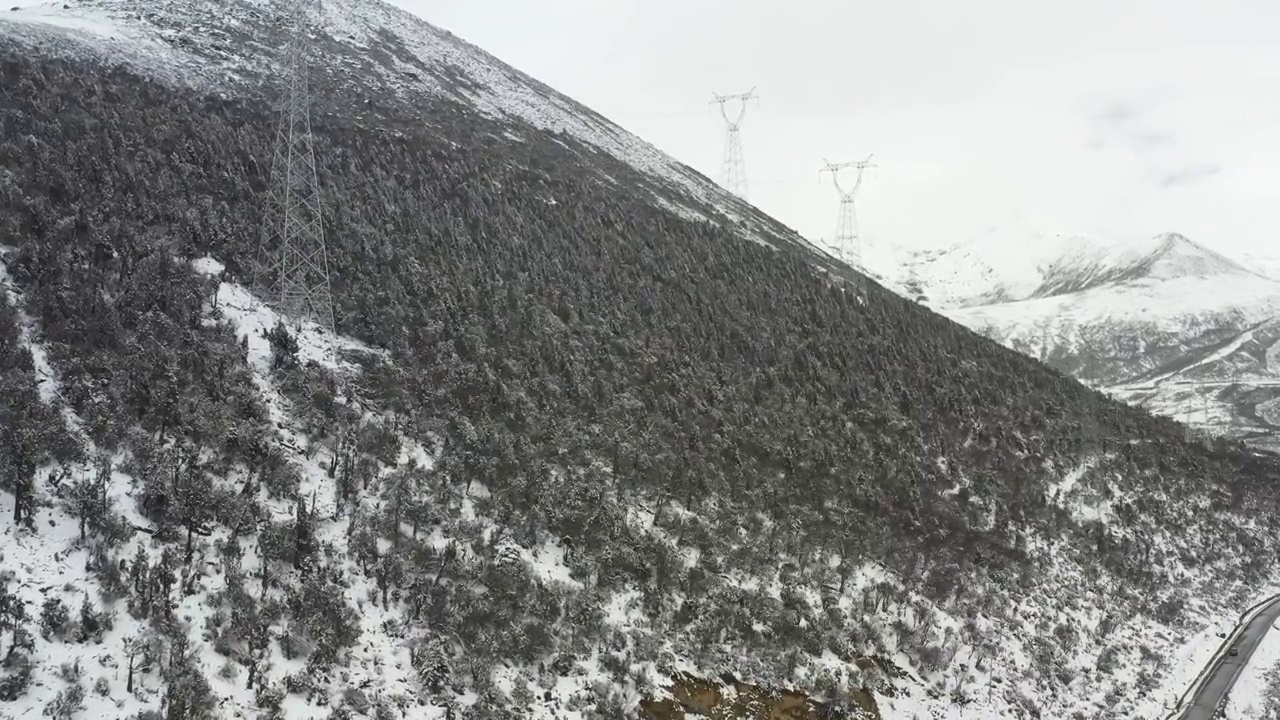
[13, 616]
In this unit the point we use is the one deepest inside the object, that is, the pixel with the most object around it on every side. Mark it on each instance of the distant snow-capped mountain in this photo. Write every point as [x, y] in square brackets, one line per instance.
[1163, 321]
[1002, 267]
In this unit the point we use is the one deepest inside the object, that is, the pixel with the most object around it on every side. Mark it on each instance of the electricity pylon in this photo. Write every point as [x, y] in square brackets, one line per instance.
[847, 243]
[294, 264]
[733, 169]
[1205, 433]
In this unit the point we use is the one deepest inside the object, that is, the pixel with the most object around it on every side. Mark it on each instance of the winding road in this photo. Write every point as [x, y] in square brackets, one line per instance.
[1225, 668]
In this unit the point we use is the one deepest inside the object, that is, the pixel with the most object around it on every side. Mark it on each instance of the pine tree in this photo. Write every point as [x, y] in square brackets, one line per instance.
[26, 424]
[139, 583]
[160, 584]
[284, 347]
[303, 538]
[136, 649]
[89, 501]
[18, 463]
[13, 616]
[188, 695]
[431, 660]
[258, 639]
[90, 621]
[192, 500]
[53, 617]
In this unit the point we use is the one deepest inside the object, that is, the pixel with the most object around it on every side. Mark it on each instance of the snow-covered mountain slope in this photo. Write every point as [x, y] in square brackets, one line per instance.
[1011, 264]
[1000, 265]
[76, 620]
[1152, 308]
[580, 455]
[1164, 321]
[233, 46]
[1230, 387]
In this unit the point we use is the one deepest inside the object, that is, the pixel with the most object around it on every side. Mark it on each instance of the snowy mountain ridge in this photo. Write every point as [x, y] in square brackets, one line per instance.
[1130, 315]
[198, 44]
[1008, 265]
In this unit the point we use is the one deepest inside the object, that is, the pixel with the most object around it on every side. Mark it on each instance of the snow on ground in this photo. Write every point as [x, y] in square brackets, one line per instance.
[254, 319]
[1157, 662]
[1061, 489]
[1190, 660]
[1248, 696]
[1194, 405]
[379, 656]
[26, 327]
[1184, 306]
[1217, 355]
[105, 32]
[54, 561]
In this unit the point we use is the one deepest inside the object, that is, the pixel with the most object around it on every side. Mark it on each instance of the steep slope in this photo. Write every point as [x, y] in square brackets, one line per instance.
[379, 58]
[580, 447]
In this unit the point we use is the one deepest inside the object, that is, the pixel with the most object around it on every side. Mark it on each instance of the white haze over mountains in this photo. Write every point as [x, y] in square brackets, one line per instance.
[1110, 119]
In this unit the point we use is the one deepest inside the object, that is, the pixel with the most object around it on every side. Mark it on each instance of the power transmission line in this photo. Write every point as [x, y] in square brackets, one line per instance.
[1205, 432]
[847, 243]
[294, 262]
[733, 171]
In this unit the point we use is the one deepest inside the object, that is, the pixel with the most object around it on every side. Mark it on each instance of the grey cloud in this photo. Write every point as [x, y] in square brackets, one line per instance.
[1125, 123]
[1121, 122]
[1143, 140]
[1189, 175]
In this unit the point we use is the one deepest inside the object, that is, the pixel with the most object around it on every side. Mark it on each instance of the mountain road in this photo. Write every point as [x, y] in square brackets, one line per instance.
[1226, 667]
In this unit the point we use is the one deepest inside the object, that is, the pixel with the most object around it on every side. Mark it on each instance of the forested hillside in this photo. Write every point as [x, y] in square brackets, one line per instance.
[585, 436]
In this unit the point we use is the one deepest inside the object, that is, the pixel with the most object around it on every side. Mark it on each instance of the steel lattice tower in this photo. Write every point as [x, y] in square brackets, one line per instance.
[733, 169]
[847, 243]
[1204, 433]
[294, 267]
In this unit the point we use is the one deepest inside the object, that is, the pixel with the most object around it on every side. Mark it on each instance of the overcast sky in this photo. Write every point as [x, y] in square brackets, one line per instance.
[1108, 117]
